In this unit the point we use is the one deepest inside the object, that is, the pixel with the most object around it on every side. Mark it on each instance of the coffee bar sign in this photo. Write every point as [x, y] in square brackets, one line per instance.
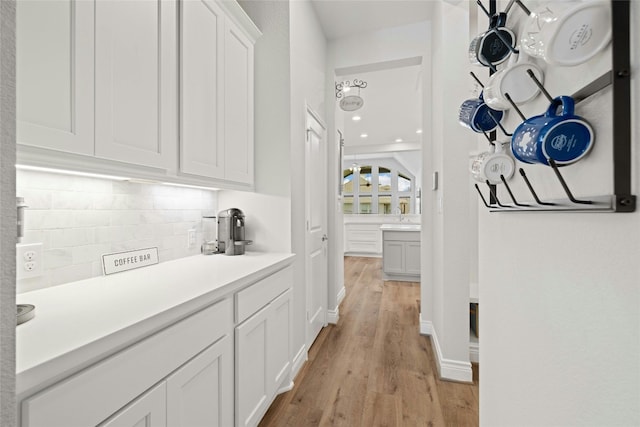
[123, 261]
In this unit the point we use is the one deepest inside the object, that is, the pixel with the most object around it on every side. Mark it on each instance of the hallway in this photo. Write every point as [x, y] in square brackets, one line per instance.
[373, 368]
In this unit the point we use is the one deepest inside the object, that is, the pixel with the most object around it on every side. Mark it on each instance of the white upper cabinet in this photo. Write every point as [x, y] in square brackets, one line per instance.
[136, 60]
[216, 105]
[55, 82]
[201, 88]
[238, 105]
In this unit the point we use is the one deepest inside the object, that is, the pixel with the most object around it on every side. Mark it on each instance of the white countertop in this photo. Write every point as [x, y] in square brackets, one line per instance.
[79, 323]
[400, 227]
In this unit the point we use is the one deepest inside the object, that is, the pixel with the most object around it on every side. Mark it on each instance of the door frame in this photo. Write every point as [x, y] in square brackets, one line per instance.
[307, 202]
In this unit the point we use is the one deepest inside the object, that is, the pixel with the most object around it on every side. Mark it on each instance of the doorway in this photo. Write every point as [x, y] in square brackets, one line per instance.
[316, 258]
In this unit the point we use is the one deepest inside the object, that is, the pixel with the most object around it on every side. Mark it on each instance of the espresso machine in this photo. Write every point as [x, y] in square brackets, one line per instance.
[231, 239]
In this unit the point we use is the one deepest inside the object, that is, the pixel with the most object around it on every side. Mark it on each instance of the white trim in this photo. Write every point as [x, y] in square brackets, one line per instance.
[426, 326]
[341, 294]
[453, 370]
[285, 388]
[298, 361]
[333, 316]
[474, 352]
[364, 254]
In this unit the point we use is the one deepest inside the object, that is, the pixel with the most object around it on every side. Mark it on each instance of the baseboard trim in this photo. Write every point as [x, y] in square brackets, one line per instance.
[474, 352]
[341, 295]
[333, 316]
[449, 369]
[298, 361]
[364, 254]
[285, 388]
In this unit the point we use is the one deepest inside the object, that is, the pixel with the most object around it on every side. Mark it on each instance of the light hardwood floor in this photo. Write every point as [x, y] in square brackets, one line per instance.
[374, 368]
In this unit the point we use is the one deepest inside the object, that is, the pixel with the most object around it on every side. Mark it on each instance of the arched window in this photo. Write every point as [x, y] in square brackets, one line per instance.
[381, 189]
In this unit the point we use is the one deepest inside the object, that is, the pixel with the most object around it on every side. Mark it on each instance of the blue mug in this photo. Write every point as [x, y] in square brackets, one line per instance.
[478, 116]
[564, 137]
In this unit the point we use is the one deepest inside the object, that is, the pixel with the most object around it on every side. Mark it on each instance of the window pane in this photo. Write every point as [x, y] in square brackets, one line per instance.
[347, 181]
[364, 204]
[384, 180]
[347, 204]
[365, 179]
[384, 205]
[405, 204]
[404, 183]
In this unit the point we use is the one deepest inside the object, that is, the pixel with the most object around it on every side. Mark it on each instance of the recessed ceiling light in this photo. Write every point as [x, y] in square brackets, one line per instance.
[356, 118]
[346, 88]
[363, 135]
[419, 131]
[399, 140]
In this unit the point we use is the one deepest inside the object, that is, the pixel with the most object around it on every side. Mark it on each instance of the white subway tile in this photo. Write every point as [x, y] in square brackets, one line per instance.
[72, 273]
[35, 199]
[58, 257]
[89, 253]
[67, 237]
[71, 200]
[91, 218]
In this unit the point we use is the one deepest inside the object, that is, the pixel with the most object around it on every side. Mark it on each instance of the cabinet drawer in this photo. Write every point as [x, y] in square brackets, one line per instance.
[405, 236]
[92, 395]
[256, 296]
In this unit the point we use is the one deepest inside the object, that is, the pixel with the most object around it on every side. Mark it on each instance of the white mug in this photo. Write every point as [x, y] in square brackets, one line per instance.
[567, 33]
[488, 166]
[515, 81]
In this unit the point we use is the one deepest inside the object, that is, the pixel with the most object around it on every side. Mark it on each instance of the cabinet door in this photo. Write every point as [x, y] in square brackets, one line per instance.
[201, 88]
[412, 258]
[136, 86]
[200, 393]
[393, 257]
[252, 384]
[148, 410]
[54, 80]
[279, 341]
[238, 105]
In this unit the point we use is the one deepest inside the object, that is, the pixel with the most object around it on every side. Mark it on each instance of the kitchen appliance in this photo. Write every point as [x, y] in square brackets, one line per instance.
[209, 243]
[231, 239]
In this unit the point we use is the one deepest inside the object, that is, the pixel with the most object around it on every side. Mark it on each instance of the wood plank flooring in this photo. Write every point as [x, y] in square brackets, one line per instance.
[374, 368]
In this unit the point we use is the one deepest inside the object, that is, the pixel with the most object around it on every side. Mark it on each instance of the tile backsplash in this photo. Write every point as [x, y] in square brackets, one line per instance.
[78, 219]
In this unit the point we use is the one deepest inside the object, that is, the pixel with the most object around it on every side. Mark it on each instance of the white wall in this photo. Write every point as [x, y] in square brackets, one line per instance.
[271, 91]
[78, 219]
[559, 304]
[7, 214]
[445, 299]
[308, 59]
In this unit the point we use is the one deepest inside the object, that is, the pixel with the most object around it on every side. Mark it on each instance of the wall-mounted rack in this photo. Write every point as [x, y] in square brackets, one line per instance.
[620, 79]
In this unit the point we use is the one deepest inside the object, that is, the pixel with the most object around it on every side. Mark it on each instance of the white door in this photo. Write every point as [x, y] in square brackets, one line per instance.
[201, 83]
[136, 81]
[55, 101]
[200, 393]
[148, 410]
[316, 224]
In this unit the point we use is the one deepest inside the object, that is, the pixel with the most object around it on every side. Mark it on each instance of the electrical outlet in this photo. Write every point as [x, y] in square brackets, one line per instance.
[28, 260]
[191, 238]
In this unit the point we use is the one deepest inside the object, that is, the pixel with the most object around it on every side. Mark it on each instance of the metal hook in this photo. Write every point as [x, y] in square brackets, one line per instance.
[523, 7]
[495, 196]
[476, 78]
[504, 181]
[488, 138]
[497, 122]
[515, 107]
[537, 82]
[482, 197]
[484, 9]
[535, 196]
[552, 163]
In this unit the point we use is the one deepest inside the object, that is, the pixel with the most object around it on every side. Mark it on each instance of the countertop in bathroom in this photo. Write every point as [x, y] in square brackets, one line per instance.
[400, 227]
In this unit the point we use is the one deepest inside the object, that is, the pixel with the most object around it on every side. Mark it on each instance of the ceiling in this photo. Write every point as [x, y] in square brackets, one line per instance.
[341, 18]
[392, 100]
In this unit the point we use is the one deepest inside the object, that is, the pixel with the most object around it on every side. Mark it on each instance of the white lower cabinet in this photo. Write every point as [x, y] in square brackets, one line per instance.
[262, 359]
[401, 255]
[200, 392]
[147, 410]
